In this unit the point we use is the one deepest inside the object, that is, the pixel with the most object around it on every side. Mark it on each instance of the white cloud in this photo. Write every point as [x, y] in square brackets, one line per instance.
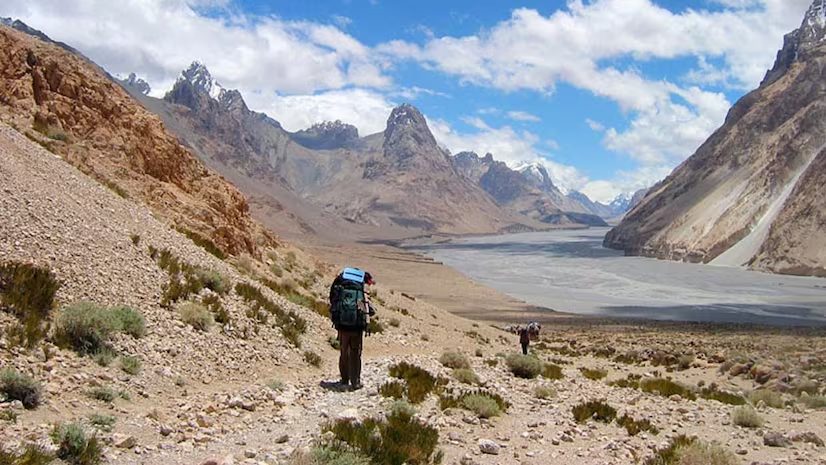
[364, 109]
[605, 191]
[160, 38]
[596, 126]
[523, 116]
[342, 21]
[413, 93]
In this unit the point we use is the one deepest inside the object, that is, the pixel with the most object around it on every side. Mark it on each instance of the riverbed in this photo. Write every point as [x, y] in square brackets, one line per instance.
[570, 271]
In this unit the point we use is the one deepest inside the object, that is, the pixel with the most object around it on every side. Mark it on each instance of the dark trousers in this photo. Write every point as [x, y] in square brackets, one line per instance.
[349, 360]
[524, 348]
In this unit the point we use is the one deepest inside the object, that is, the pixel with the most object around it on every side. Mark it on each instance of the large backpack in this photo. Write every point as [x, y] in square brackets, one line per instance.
[347, 300]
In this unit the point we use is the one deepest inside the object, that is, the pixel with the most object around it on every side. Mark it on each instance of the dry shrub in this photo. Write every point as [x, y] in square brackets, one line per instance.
[594, 374]
[524, 366]
[596, 410]
[746, 417]
[767, 396]
[130, 364]
[85, 327]
[712, 393]
[420, 383]
[32, 454]
[393, 389]
[455, 360]
[552, 372]
[666, 388]
[19, 386]
[196, 315]
[28, 293]
[703, 453]
[634, 427]
[312, 358]
[75, 447]
[544, 392]
[466, 376]
[483, 406]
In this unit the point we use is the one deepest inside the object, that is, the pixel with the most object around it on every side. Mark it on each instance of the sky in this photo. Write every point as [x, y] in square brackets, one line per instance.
[609, 95]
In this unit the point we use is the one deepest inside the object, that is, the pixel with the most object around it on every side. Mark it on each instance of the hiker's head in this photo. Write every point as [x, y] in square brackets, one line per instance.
[368, 278]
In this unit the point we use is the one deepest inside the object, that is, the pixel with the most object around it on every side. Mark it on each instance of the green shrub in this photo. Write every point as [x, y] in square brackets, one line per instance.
[746, 417]
[398, 439]
[129, 321]
[420, 383]
[813, 402]
[770, 398]
[596, 410]
[466, 376]
[402, 408]
[213, 280]
[84, 327]
[492, 362]
[632, 381]
[666, 388]
[130, 364]
[669, 455]
[326, 455]
[102, 422]
[32, 454]
[454, 360]
[482, 406]
[450, 398]
[276, 385]
[291, 324]
[703, 453]
[75, 447]
[594, 374]
[19, 386]
[374, 327]
[9, 415]
[104, 356]
[196, 315]
[28, 292]
[202, 241]
[312, 358]
[213, 303]
[544, 392]
[393, 389]
[524, 366]
[634, 427]
[136, 239]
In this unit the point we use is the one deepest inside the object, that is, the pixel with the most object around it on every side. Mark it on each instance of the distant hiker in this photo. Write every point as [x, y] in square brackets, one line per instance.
[527, 334]
[350, 312]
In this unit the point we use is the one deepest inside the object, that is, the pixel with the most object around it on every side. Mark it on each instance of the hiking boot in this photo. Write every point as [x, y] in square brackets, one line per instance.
[357, 385]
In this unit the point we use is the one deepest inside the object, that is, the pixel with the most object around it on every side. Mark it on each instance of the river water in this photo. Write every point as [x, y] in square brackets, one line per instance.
[570, 271]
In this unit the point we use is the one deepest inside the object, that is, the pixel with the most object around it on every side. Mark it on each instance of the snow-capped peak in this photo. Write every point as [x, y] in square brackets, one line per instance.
[199, 76]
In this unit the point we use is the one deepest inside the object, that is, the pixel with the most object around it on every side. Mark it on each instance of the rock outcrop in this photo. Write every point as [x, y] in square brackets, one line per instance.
[328, 135]
[753, 193]
[57, 99]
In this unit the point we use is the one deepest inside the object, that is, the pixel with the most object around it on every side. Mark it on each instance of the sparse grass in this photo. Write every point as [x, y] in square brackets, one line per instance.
[15, 385]
[312, 358]
[552, 372]
[767, 396]
[455, 360]
[813, 402]
[809, 386]
[136, 239]
[374, 327]
[325, 455]
[102, 422]
[28, 292]
[669, 455]
[130, 364]
[483, 406]
[276, 385]
[129, 321]
[492, 362]
[398, 439]
[203, 242]
[634, 427]
[291, 324]
[393, 389]
[213, 303]
[402, 407]
[746, 417]
[524, 366]
[666, 388]
[703, 453]
[213, 280]
[104, 393]
[452, 399]
[75, 447]
[196, 315]
[594, 374]
[104, 356]
[684, 361]
[420, 383]
[722, 396]
[276, 270]
[394, 322]
[632, 381]
[466, 376]
[544, 392]
[32, 454]
[8, 415]
[596, 410]
[245, 265]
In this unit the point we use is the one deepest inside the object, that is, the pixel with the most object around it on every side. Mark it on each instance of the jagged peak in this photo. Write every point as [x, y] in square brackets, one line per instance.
[199, 76]
[405, 115]
[141, 85]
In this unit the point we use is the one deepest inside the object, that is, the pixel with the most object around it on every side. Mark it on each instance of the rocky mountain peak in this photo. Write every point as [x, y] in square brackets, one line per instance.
[196, 87]
[537, 175]
[328, 135]
[407, 120]
[138, 84]
[199, 76]
[801, 43]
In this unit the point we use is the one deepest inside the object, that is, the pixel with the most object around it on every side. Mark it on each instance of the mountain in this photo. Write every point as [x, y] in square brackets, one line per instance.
[76, 111]
[328, 135]
[753, 193]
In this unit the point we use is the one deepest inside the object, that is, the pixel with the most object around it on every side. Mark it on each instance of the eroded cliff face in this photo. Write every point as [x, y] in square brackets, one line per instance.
[70, 107]
[757, 181]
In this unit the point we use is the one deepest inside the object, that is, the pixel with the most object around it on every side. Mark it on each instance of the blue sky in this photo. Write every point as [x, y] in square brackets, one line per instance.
[610, 95]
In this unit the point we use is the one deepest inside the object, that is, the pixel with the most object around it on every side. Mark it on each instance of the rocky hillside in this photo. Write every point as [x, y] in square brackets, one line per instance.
[58, 100]
[752, 194]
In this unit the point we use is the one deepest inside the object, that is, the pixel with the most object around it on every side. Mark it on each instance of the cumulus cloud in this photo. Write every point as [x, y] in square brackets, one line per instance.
[523, 116]
[161, 37]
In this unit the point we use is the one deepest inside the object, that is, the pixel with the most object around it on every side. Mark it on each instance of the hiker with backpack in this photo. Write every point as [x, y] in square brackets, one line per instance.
[350, 312]
[527, 334]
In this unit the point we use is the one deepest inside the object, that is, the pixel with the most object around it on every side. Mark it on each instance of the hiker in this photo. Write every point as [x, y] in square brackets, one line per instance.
[527, 334]
[350, 312]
